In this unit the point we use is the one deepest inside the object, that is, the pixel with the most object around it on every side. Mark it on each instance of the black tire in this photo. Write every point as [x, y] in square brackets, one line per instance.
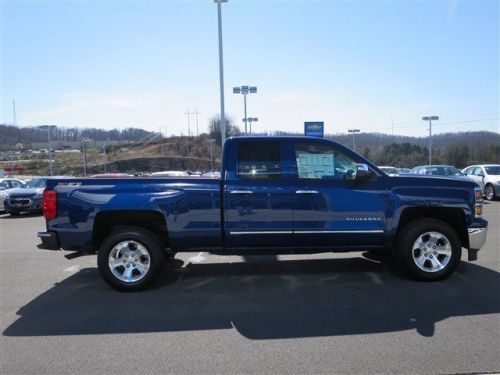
[138, 235]
[489, 192]
[409, 235]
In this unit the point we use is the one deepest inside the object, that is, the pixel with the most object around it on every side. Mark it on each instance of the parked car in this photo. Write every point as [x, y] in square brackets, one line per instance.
[110, 175]
[487, 176]
[439, 170]
[214, 174]
[27, 198]
[390, 171]
[404, 170]
[276, 195]
[6, 184]
[170, 174]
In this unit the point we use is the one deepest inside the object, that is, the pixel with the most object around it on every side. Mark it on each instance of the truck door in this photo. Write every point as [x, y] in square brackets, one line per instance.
[331, 208]
[257, 197]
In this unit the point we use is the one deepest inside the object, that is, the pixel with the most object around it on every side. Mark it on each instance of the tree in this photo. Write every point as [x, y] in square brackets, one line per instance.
[214, 129]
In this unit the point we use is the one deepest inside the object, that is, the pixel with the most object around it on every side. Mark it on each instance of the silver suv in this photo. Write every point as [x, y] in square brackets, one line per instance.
[487, 176]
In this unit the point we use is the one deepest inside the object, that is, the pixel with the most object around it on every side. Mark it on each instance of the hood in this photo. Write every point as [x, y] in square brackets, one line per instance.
[24, 193]
[441, 181]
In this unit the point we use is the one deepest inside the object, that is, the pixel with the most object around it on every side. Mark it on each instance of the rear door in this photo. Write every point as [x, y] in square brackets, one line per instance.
[331, 208]
[257, 197]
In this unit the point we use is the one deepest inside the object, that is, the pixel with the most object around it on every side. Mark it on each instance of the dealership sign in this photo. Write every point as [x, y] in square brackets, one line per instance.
[314, 129]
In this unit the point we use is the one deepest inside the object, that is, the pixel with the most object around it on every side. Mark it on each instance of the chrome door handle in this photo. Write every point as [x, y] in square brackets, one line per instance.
[306, 192]
[241, 192]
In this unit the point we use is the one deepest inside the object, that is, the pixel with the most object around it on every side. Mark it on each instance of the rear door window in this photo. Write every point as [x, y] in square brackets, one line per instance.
[259, 161]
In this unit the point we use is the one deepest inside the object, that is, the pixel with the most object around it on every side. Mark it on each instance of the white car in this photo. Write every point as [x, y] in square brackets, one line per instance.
[5, 185]
[391, 171]
[487, 176]
[169, 174]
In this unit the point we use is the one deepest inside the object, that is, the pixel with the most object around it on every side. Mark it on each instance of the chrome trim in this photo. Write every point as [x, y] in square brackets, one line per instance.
[306, 192]
[477, 237]
[338, 231]
[265, 232]
[241, 192]
[307, 231]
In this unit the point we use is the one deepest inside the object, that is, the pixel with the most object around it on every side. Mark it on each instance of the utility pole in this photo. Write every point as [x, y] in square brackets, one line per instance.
[430, 118]
[353, 131]
[196, 113]
[14, 111]
[221, 73]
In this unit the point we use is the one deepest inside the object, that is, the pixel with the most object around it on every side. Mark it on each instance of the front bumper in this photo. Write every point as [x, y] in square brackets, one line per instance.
[477, 237]
[23, 204]
[49, 241]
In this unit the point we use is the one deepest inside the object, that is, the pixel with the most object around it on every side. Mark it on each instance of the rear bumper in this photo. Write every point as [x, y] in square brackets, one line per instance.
[49, 241]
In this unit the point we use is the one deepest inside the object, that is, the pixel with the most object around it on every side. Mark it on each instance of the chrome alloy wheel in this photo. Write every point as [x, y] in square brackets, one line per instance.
[431, 251]
[129, 261]
[489, 192]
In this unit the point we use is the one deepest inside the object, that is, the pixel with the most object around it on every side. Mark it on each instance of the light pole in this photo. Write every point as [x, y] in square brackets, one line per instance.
[84, 140]
[221, 73]
[353, 131]
[211, 154]
[245, 90]
[48, 127]
[250, 120]
[430, 118]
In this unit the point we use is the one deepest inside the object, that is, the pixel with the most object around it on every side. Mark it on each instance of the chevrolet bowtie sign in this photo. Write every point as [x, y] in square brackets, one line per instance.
[314, 129]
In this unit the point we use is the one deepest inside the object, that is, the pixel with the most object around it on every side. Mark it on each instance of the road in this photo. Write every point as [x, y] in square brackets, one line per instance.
[326, 313]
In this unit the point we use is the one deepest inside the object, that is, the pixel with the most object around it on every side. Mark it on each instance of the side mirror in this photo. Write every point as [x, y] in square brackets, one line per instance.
[2, 188]
[363, 173]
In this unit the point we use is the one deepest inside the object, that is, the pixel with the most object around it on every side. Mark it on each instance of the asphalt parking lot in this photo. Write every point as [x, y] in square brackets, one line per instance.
[213, 314]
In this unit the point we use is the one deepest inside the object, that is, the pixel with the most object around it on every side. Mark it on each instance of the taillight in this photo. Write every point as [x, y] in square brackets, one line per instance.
[49, 204]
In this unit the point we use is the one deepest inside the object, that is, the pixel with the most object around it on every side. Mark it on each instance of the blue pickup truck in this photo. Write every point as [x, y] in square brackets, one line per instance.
[276, 195]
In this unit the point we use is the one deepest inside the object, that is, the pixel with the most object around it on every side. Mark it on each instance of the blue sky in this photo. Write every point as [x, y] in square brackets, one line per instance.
[351, 64]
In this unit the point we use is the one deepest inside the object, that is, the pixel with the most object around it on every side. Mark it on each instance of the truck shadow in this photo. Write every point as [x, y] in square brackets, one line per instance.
[268, 300]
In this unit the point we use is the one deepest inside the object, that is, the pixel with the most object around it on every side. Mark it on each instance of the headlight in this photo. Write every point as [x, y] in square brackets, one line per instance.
[478, 202]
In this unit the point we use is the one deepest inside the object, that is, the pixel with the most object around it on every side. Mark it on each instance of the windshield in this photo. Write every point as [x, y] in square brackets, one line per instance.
[494, 169]
[36, 183]
[443, 171]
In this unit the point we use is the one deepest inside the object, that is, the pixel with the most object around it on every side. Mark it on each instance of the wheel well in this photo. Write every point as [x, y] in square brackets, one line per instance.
[454, 217]
[106, 222]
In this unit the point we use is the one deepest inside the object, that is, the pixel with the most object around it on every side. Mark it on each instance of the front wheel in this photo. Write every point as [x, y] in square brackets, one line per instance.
[129, 258]
[430, 249]
[489, 192]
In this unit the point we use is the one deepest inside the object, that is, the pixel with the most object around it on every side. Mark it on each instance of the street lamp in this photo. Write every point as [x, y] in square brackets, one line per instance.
[430, 118]
[221, 73]
[211, 140]
[353, 131]
[48, 127]
[250, 120]
[245, 90]
[84, 140]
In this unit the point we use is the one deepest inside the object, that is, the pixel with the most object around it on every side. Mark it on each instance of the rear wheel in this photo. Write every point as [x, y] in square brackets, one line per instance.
[430, 249]
[489, 192]
[129, 258]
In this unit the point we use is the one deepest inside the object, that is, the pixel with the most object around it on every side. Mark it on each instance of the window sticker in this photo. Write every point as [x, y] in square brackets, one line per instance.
[315, 165]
